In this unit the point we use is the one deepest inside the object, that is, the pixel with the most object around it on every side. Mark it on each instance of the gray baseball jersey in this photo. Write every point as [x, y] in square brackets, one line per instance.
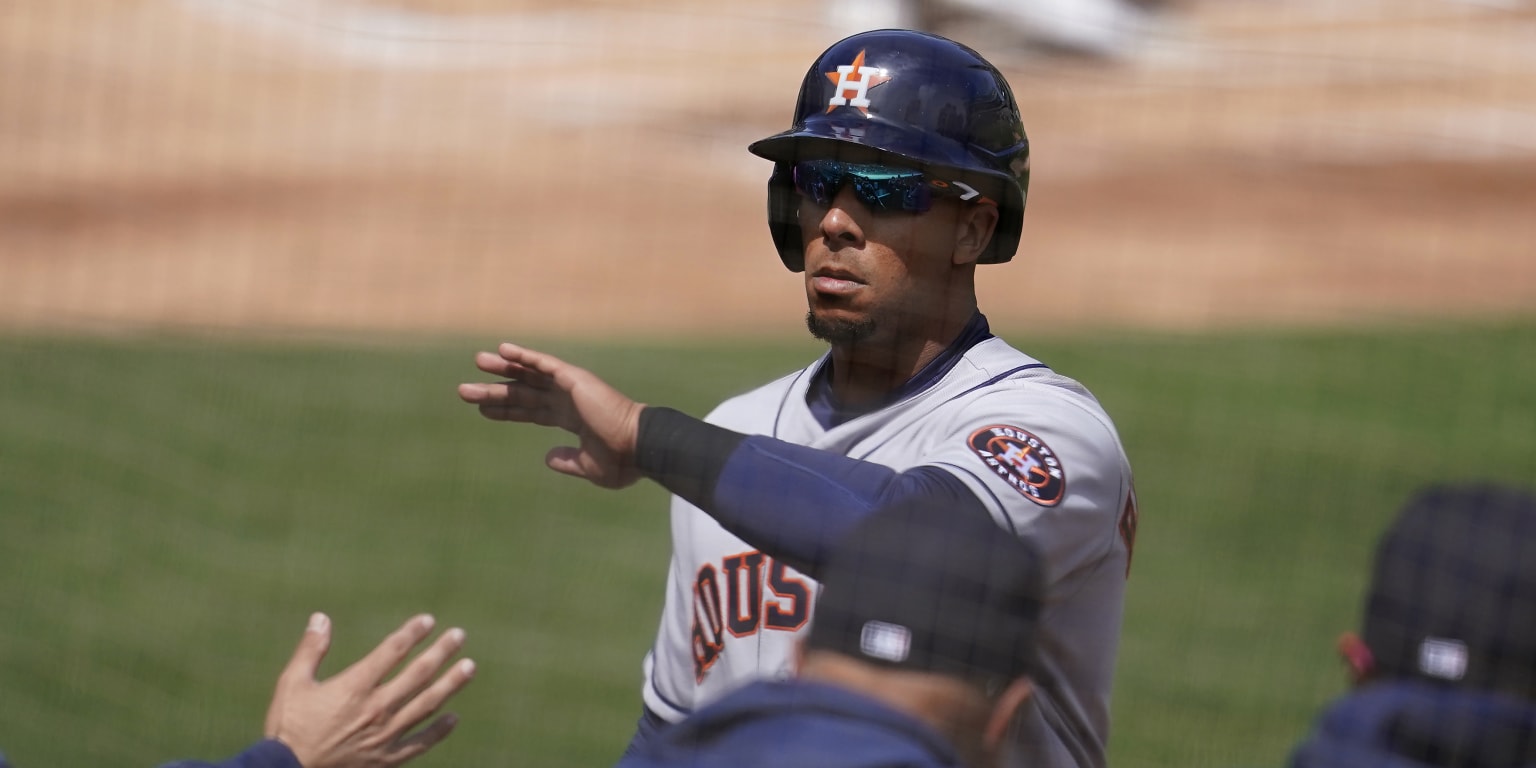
[1033, 446]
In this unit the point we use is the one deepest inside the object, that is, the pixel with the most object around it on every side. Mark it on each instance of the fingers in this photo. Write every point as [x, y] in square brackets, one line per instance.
[576, 462]
[495, 364]
[524, 378]
[311, 650]
[518, 401]
[412, 747]
[500, 412]
[513, 362]
[527, 365]
[502, 393]
[567, 460]
[531, 393]
[433, 697]
[422, 669]
[369, 670]
[483, 393]
[530, 359]
[541, 415]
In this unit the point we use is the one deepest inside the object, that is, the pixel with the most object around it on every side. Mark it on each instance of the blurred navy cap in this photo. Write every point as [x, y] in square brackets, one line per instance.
[922, 587]
[1453, 594]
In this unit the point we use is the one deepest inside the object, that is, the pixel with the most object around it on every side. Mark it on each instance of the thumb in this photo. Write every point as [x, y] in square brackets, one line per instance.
[567, 461]
[312, 647]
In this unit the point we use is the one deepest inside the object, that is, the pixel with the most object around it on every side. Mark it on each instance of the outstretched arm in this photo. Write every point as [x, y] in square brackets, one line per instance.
[790, 501]
[787, 499]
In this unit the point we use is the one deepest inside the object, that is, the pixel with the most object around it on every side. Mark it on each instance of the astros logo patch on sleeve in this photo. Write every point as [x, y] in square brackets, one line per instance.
[1022, 460]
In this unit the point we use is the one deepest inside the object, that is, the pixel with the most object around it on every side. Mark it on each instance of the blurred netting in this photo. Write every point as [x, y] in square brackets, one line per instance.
[247, 247]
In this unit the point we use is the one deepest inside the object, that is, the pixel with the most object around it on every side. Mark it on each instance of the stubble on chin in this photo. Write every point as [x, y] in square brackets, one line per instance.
[835, 331]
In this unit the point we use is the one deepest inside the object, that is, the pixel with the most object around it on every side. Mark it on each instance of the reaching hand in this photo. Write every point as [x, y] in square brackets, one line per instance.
[356, 719]
[545, 390]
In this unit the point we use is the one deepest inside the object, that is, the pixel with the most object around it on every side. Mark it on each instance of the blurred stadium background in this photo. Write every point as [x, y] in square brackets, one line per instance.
[247, 247]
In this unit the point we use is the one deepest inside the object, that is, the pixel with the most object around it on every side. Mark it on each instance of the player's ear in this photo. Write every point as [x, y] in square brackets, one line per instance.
[973, 231]
[1004, 709]
[1357, 657]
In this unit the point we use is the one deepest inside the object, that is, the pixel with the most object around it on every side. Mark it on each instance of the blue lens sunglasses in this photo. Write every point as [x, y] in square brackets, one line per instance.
[881, 188]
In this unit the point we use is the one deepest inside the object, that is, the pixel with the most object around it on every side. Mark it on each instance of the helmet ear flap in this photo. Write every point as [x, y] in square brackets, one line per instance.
[784, 217]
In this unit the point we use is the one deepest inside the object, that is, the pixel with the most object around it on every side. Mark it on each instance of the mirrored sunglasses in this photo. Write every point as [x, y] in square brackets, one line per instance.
[880, 188]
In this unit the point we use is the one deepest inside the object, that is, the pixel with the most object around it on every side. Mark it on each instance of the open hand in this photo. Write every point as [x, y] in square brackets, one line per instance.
[356, 719]
[542, 389]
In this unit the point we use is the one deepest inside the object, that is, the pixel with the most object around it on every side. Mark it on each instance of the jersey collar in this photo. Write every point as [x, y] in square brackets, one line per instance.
[829, 413]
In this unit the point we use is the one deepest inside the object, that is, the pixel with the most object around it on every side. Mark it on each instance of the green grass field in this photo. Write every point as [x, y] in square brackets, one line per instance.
[171, 510]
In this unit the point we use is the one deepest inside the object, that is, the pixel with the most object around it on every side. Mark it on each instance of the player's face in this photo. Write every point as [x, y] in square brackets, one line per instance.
[871, 274]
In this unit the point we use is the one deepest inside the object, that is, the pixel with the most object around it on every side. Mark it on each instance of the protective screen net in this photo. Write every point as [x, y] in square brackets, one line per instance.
[249, 247]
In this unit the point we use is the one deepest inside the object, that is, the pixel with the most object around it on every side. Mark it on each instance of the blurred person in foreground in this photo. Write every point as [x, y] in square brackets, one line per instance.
[920, 654]
[1445, 674]
[356, 719]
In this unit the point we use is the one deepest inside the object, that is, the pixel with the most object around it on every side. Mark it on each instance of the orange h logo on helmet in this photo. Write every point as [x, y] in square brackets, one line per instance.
[845, 83]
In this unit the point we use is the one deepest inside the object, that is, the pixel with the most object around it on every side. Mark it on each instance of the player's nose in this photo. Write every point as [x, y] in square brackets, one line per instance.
[840, 223]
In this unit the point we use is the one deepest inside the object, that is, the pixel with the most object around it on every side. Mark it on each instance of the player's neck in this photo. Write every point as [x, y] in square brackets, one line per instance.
[870, 370]
[861, 375]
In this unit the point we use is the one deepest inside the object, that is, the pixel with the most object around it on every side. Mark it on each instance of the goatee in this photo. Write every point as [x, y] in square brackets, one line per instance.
[839, 331]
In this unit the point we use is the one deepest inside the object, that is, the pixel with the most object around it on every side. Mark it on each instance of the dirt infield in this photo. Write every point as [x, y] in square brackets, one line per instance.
[505, 167]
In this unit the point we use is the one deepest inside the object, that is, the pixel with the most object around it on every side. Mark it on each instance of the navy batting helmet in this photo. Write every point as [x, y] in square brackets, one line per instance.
[920, 98]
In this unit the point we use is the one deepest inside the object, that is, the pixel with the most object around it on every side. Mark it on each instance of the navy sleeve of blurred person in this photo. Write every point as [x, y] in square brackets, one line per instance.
[263, 754]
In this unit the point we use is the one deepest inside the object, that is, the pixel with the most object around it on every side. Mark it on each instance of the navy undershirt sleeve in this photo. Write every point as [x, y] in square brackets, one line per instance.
[790, 501]
[794, 503]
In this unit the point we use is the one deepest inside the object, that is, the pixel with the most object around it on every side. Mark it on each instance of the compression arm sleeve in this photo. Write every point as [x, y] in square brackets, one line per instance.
[790, 501]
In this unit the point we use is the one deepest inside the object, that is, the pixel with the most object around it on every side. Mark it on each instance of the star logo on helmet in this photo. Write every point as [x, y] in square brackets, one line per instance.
[851, 84]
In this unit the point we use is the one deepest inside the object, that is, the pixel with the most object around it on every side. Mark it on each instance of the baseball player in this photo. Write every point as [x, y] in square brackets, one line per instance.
[905, 169]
